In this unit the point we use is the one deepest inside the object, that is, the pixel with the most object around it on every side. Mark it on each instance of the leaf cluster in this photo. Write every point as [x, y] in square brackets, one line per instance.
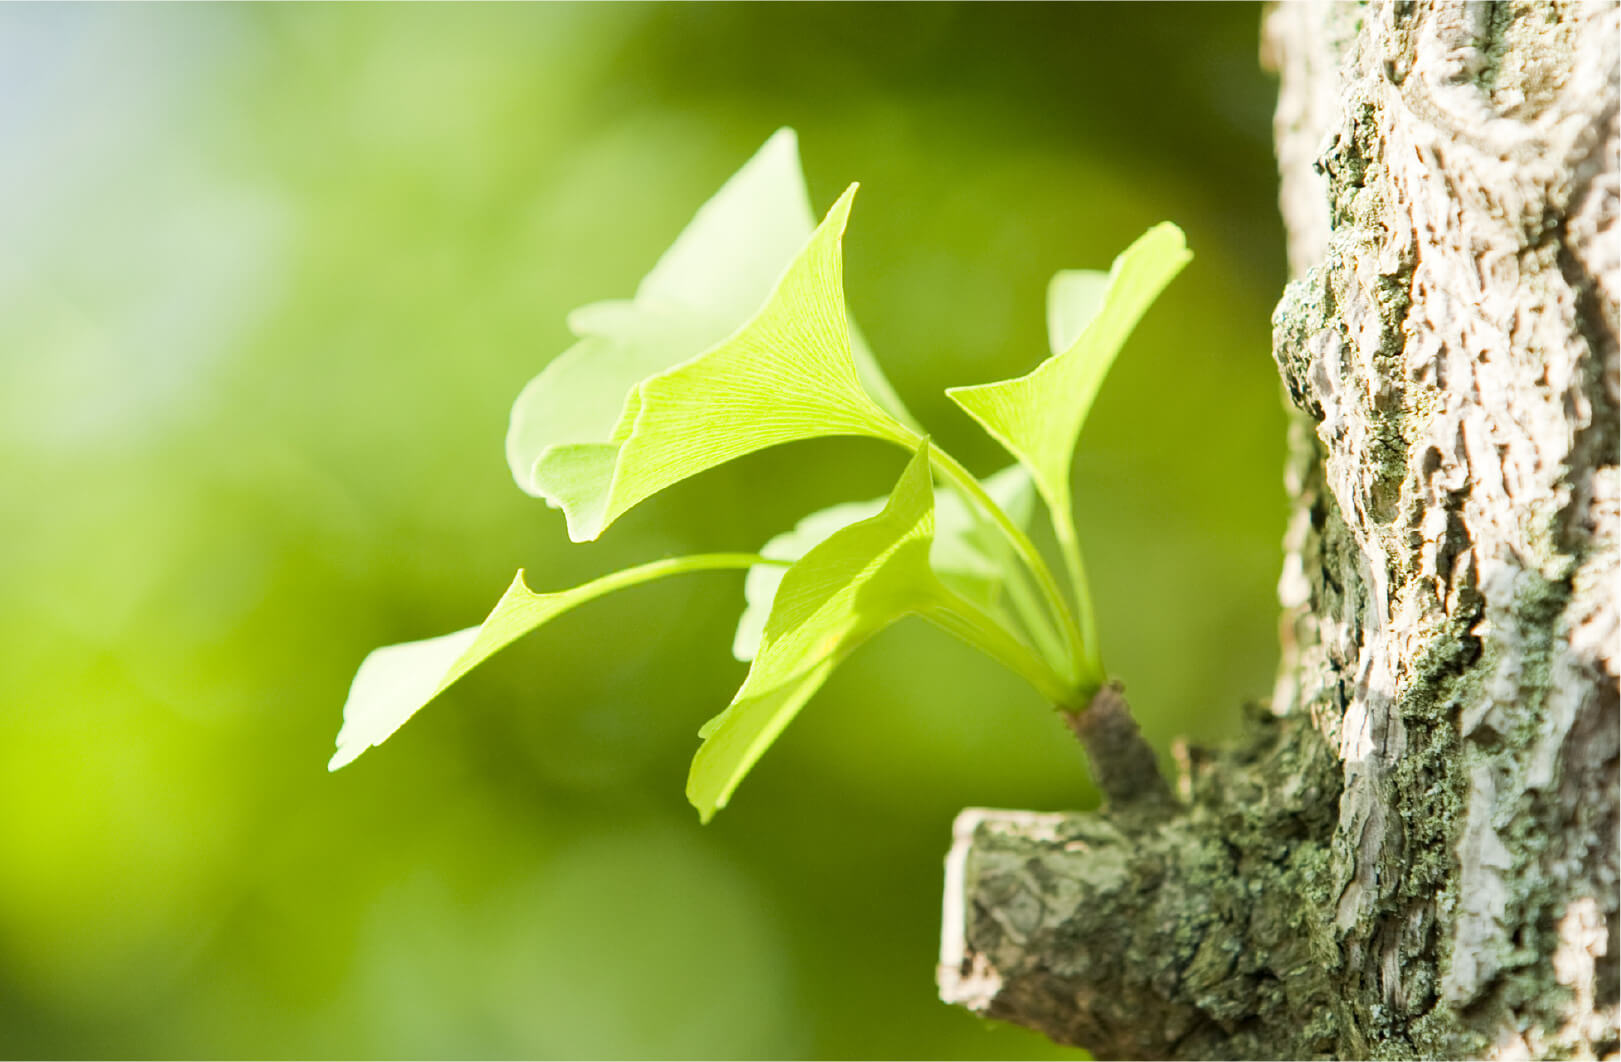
[738, 340]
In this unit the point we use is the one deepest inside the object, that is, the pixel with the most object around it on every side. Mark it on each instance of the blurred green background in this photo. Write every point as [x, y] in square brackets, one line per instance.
[269, 281]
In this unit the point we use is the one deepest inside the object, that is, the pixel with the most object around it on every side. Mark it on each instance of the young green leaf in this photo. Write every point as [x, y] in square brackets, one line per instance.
[1073, 298]
[737, 340]
[1038, 417]
[966, 555]
[858, 581]
[394, 682]
[761, 583]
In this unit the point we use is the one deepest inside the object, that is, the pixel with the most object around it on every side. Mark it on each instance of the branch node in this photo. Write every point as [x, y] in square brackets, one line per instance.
[1123, 764]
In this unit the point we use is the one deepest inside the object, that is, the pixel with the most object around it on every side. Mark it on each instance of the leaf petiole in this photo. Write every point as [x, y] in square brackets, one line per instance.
[959, 616]
[1077, 656]
[1064, 530]
[1037, 623]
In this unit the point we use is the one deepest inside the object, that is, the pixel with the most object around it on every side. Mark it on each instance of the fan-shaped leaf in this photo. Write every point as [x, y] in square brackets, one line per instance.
[859, 580]
[737, 340]
[1038, 417]
[966, 555]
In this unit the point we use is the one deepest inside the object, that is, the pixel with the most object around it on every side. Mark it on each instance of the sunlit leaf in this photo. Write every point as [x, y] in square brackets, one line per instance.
[859, 580]
[394, 682]
[966, 555]
[1038, 417]
[1073, 298]
[737, 340]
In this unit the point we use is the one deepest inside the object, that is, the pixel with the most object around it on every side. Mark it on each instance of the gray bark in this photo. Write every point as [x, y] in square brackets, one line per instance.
[1413, 850]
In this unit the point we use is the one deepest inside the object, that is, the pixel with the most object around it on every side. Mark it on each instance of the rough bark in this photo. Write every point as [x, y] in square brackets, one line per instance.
[1413, 851]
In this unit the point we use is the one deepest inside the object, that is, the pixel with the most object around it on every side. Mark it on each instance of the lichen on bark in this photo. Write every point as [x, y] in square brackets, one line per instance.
[1450, 184]
[1181, 935]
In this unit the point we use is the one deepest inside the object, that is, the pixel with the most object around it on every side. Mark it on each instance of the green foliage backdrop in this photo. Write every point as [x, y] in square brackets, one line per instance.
[269, 281]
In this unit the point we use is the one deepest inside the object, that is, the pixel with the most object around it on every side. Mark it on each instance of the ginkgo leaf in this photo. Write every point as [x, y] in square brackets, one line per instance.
[743, 316]
[858, 581]
[1073, 298]
[729, 257]
[1038, 417]
[394, 682]
[966, 555]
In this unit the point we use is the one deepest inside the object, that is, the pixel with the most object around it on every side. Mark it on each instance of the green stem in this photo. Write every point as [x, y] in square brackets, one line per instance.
[1027, 551]
[516, 614]
[1064, 529]
[1031, 611]
[961, 617]
[697, 562]
[1016, 583]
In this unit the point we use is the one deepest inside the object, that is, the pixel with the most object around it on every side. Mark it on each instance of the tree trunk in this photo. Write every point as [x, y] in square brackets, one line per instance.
[1413, 850]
